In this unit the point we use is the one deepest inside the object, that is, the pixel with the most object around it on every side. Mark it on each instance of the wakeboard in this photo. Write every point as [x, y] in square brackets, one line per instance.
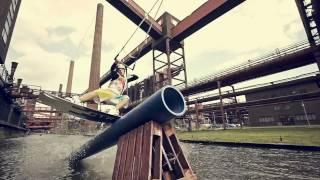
[68, 107]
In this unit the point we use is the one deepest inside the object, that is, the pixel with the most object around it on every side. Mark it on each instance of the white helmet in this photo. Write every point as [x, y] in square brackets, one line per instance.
[121, 66]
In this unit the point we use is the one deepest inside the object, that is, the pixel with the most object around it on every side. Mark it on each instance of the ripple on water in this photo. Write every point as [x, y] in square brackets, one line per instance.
[45, 157]
[220, 162]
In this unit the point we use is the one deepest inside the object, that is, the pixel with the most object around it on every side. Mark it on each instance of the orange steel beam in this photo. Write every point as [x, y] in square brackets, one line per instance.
[40, 127]
[136, 14]
[202, 16]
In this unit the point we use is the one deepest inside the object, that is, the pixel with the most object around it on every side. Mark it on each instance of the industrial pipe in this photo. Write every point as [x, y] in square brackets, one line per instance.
[161, 107]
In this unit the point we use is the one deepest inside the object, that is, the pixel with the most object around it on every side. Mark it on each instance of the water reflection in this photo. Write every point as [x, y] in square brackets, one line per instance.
[219, 162]
[46, 157]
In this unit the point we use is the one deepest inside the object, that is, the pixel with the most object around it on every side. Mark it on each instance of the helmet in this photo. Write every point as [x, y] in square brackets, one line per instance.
[121, 66]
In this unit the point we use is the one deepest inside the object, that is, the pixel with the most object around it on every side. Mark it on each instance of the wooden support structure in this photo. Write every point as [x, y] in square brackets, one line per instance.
[151, 151]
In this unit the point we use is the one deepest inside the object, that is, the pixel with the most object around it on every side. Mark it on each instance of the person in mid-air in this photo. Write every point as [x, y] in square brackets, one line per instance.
[113, 95]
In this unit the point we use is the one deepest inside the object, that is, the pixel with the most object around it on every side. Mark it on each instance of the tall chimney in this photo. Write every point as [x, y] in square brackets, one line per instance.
[60, 90]
[70, 77]
[96, 54]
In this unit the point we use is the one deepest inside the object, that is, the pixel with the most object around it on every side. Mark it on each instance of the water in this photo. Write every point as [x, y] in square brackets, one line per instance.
[220, 162]
[45, 157]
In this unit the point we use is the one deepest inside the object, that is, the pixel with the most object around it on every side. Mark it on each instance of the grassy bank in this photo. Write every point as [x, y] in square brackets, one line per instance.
[290, 135]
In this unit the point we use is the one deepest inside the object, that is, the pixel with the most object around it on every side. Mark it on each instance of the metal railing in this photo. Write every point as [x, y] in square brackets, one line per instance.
[252, 62]
[257, 85]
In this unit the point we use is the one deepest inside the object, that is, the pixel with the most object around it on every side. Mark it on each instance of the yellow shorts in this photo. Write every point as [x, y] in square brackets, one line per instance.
[110, 96]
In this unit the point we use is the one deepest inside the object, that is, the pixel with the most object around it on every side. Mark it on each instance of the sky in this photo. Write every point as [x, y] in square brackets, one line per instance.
[50, 33]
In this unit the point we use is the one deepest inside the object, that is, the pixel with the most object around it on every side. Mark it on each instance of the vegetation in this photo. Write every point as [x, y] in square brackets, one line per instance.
[287, 135]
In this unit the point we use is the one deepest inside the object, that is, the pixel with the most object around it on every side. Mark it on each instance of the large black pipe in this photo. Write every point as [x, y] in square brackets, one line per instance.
[161, 107]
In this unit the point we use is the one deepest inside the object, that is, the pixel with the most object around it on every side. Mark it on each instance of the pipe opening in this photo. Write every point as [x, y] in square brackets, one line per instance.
[174, 101]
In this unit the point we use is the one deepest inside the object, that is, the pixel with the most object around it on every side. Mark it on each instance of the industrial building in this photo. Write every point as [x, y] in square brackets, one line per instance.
[300, 112]
[8, 14]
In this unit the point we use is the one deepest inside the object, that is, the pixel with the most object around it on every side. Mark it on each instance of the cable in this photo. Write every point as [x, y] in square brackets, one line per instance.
[147, 34]
[83, 37]
[146, 15]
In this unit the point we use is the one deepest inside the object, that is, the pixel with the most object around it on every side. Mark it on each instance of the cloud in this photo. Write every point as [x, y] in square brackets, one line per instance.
[15, 54]
[65, 46]
[107, 47]
[60, 30]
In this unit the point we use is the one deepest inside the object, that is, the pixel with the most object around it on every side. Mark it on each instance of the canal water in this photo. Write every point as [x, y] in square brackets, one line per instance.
[45, 157]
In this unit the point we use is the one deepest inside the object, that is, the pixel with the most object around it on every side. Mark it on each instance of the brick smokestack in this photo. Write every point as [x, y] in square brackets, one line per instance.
[70, 77]
[96, 54]
[60, 90]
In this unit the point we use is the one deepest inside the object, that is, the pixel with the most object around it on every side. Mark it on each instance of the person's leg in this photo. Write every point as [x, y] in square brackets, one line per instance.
[123, 103]
[88, 96]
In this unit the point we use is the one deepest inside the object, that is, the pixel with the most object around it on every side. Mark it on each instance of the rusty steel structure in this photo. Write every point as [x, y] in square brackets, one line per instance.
[309, 77]
[211, 104]
[38, 117]
[165, 36]
[290, 57]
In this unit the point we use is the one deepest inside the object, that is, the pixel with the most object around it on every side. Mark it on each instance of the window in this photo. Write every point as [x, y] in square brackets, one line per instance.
[266, 119]
[276, 108]
[4, 36]
[6, 27]
[14, 3]
[303, 117]
[12, 11]
[302, 91]
[287, 107]
[9, 21]
[311, 116]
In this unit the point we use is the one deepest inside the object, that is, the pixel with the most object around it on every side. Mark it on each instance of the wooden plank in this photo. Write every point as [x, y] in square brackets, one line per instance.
[137, 154]
[177, 168]
[170, 133]
[142, 152]
[118, 157]
[156, 152]
[123, 158]
[178, 150]
[130, 152]
[145, 171]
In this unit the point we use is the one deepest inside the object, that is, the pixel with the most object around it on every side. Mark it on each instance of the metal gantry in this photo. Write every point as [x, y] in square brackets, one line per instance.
[169, 67]
[206, 13]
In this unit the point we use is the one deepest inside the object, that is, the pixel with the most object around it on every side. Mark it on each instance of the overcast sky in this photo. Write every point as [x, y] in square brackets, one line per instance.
[50, 33]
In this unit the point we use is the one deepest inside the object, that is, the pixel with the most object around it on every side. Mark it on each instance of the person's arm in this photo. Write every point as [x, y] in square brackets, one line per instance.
[113, 70]
[132, 77]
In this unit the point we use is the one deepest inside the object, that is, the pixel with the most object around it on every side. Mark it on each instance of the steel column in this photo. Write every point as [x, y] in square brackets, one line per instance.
[221, 106]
